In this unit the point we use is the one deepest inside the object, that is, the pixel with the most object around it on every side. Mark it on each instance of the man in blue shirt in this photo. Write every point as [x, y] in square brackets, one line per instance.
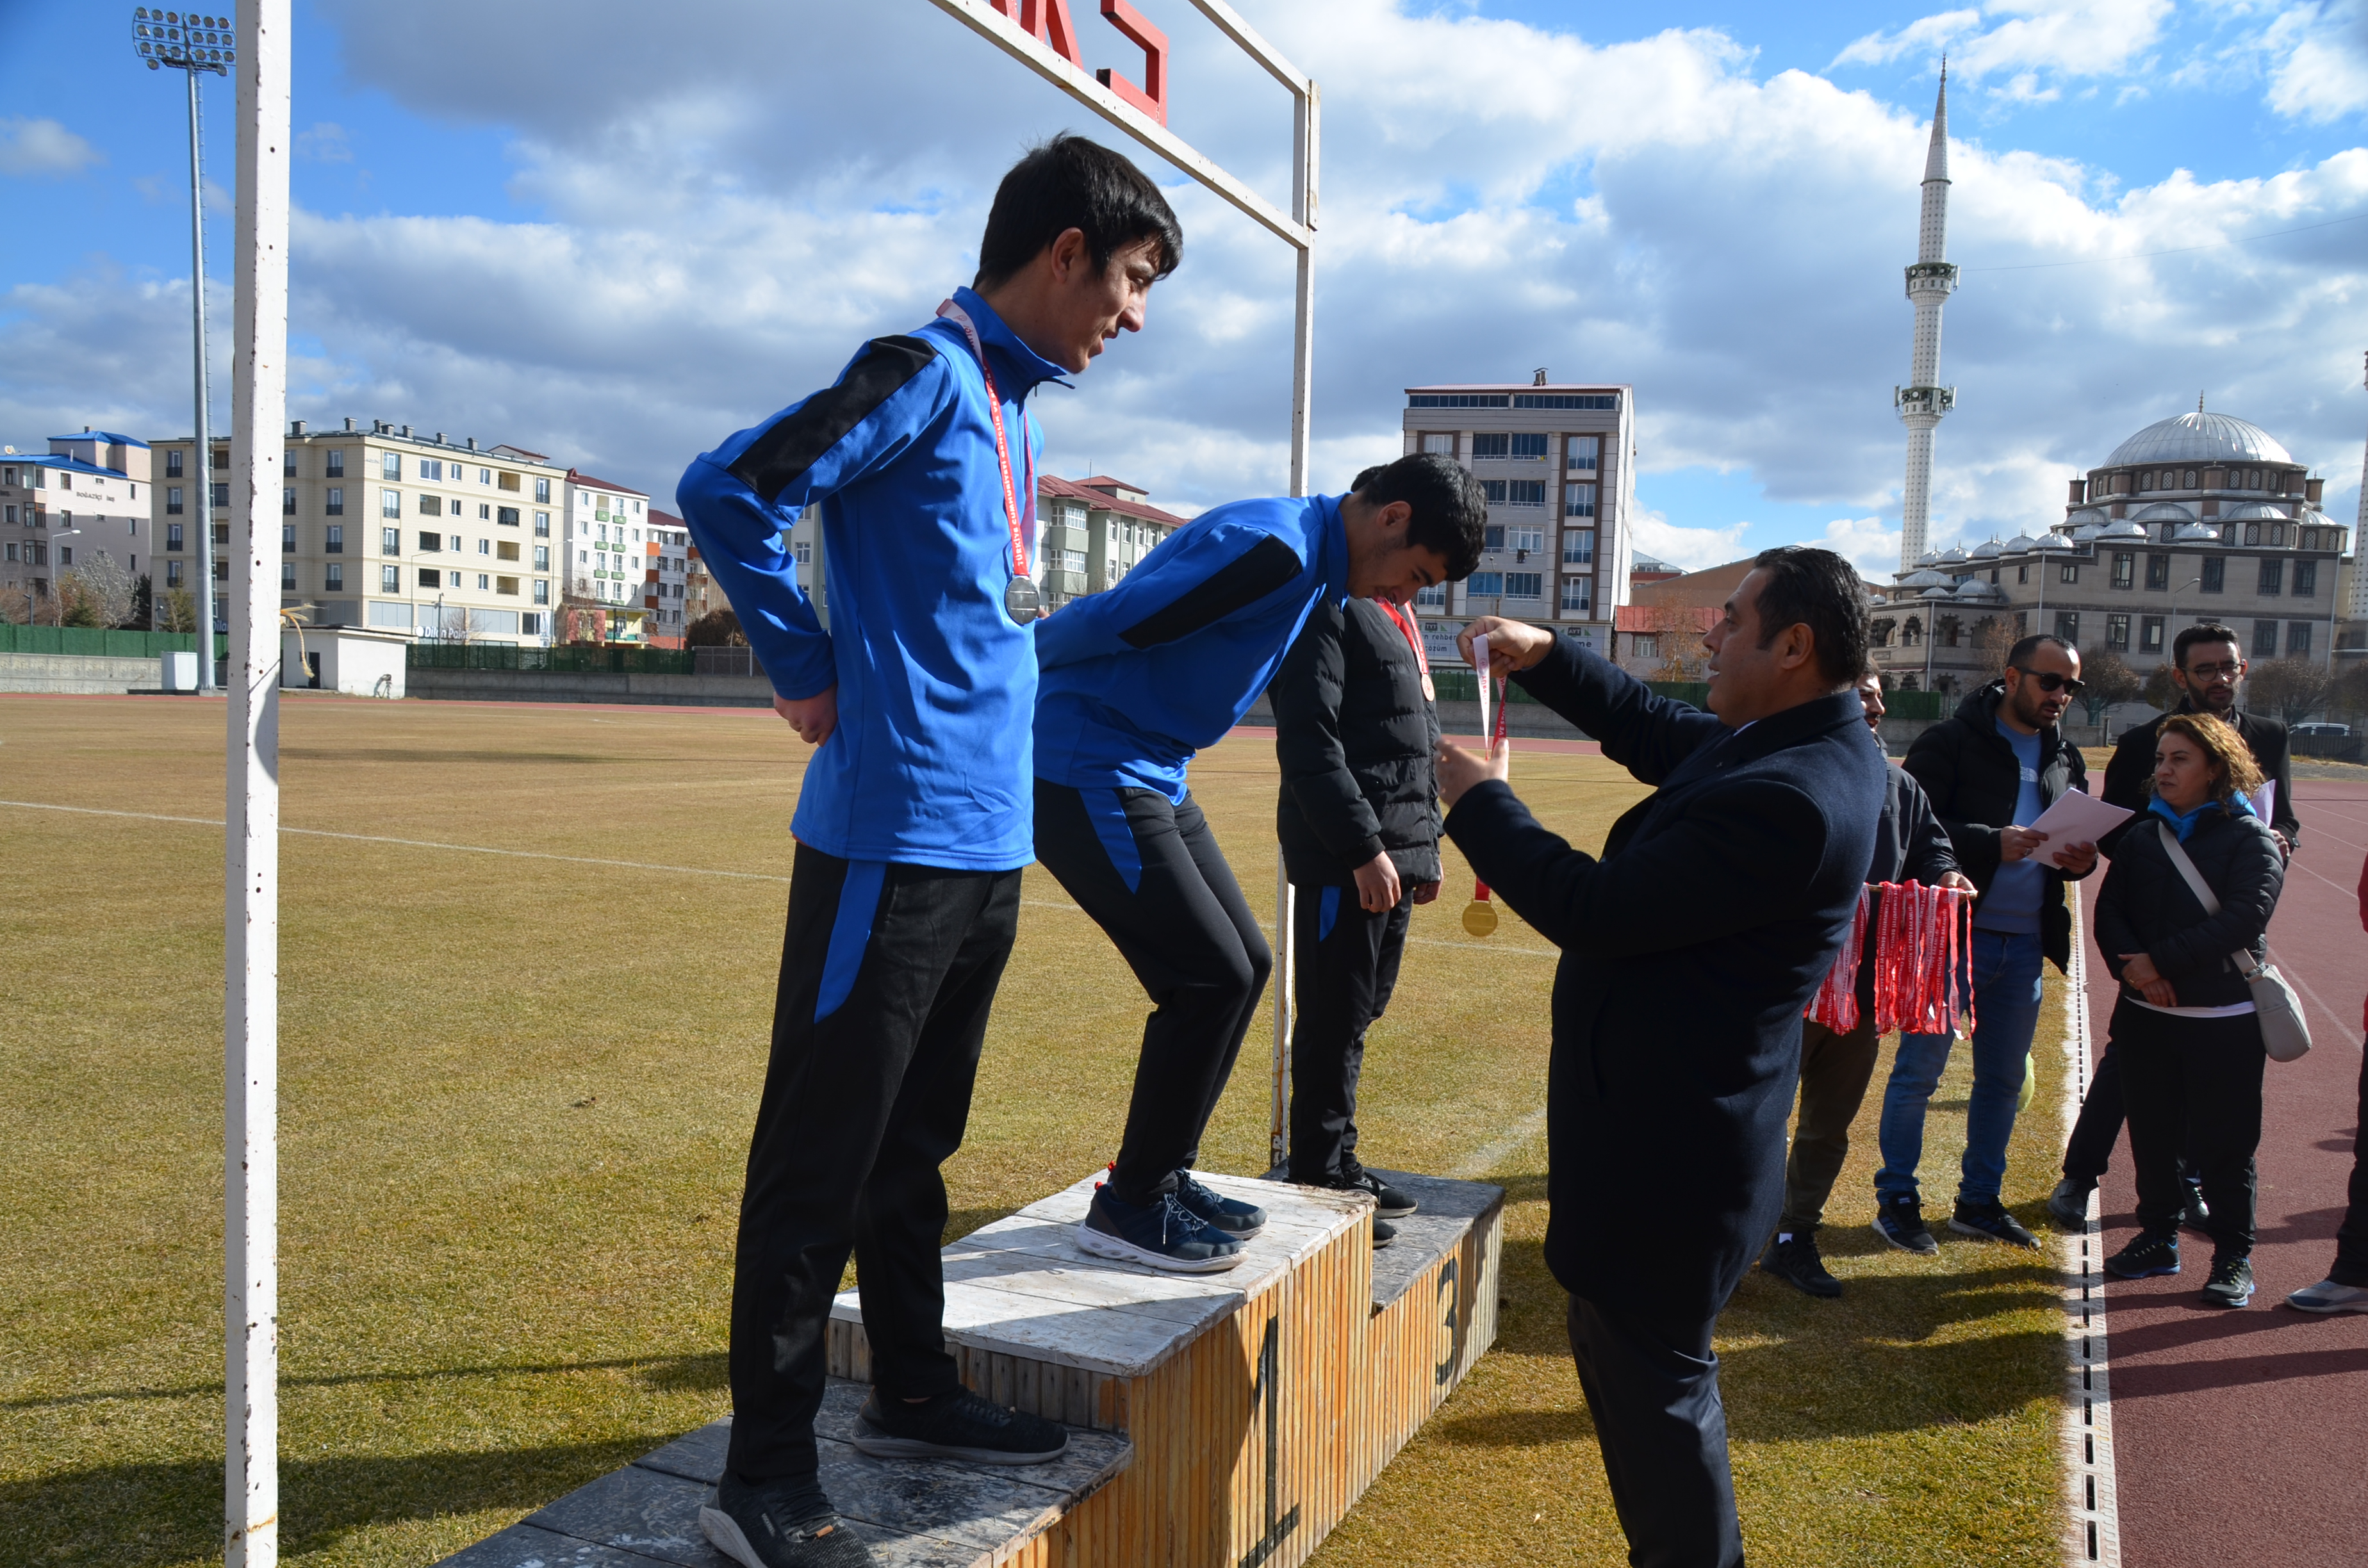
[913, 824]
[1990, 770]
[1138, 678]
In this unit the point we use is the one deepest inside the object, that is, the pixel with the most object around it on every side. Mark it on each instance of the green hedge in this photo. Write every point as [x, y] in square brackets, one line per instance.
[91, 642]
[567, 659]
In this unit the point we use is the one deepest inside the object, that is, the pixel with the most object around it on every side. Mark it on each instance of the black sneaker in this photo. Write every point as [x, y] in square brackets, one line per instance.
[1792, 1257]
[2196, 1215]
[1988, 1220]
[2231, 1284]
[2068, 1204]
[1383, 1232]
[957, 1425]
[1162, 1234]
[778, 1525]
[1388, 1201]
[2144, 1257]
[1900, 1222]
[1238, 1220]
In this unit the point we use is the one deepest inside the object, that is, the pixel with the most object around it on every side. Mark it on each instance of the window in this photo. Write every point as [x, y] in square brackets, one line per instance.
[430, 577]
[2124, 569]
[1643, 645]
[1494, 489]
[1440, 441]
[431, 541]
[2277, 533]
[336, 468]
[2253, 533]
[508, 481]
[2306, 582]
[287, 539]
[2189, 482]
[288, 462]
[431, 471]
[390, 465]
[1525, 446]
[484, 547]
[1578, 596]
[2117, 634]
[543, 524]
[220, 495]
[1492, 536]
[288, 576]
[2273, 578]
[484, 512]
[505, 585]
[2215, 573]
[2297, 639]
[2022, 573]
[1578, 500]
[390, 542]
[431, 505]
[333, 578]
[1525, 586]
[172, 466]
[337, 507]
[509, 550]
[173, 535]
[2070, 572]
[542, 491]
[173, 507]
[509, 517]
[1526, 492]
[2158, 573]
[390, 580]
[1486, 585]
[484, 476]
[1485, 444]
[172, 572]
[2150, 634]
[336, 544]
[390, 503]
[2068, 626]
[2265, 639]
[1525, 539]
[542, 592]
[1579, 546]
[542, 558]
[1432, 597]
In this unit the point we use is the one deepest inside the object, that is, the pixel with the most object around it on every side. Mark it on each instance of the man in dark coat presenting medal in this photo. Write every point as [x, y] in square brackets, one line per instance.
[1690, 947]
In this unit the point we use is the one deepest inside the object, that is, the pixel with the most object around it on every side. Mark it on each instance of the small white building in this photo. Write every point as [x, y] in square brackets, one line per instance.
[348, 659]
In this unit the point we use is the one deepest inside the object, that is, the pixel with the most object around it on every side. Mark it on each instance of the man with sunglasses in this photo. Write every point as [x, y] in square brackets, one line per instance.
[2207, 662]
[1990, 770]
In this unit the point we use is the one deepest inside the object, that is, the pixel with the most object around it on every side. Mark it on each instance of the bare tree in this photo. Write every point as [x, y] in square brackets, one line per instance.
[2292, 688]
[716, 629]
[98, 592]
[1676, 636]
[2161, 688]
[179, 611]
[2106, 678]
[1992, 638]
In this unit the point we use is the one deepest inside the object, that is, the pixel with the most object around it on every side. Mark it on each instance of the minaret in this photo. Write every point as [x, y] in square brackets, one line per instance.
[1930, 283]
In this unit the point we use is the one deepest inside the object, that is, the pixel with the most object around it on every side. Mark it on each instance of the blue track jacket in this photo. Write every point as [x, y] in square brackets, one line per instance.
[930, 762]
[1138, 677]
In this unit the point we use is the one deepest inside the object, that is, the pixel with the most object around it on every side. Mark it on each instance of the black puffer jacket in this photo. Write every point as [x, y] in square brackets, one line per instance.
[2145, 906]
[1355, 736]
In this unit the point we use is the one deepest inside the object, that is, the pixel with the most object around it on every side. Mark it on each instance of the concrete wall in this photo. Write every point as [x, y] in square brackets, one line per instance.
[78, 674]
[554, 685]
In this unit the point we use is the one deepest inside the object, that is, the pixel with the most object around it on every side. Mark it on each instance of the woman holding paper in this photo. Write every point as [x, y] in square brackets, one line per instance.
[2185, 1026]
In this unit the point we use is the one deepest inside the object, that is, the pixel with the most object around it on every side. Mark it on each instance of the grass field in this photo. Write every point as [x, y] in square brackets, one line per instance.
[515, 1095]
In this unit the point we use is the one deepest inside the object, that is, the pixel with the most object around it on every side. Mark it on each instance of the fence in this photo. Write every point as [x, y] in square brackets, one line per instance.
[91, 642]
[568, 658]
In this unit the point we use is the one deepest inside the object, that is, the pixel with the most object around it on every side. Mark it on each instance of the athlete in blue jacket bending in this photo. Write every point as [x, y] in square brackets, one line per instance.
[1136, 680]
[913, 822]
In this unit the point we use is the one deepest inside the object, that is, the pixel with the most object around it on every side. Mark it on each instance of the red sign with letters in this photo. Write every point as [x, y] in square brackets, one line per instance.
[1050, 21]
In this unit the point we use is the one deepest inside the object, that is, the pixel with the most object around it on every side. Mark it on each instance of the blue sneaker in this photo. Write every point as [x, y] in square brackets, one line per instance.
[2145, 1257]
[1900, 1222]
[1238, 1220]
[1161, 1235]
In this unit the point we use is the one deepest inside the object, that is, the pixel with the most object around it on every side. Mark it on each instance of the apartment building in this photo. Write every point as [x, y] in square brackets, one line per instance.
[1091, 532]
[430, 536]
[84, 495]
[1557, 461]
[604, 548]
[665, 582]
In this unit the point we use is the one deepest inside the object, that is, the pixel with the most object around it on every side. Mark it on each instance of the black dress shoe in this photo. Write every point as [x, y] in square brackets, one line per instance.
[1792, 1257]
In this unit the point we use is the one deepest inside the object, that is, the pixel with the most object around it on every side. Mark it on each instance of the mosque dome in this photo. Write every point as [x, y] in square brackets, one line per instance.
[2200, 438]
[1926, 578]
[1951, 555]
[1989, 550]
[2021, 544]
[2193, 533]
[2254, 512]
[1974, 589]
[2162, 512]
[2130, 527]
[2087, 532]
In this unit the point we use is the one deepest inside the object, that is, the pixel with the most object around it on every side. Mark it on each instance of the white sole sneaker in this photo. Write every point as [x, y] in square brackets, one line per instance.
[1101, 1244]
[725, 1534]
[2327, 1296]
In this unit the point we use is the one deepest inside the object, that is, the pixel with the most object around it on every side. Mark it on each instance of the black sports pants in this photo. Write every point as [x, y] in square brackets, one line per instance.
[2351, 1236]
[2192, 1085]
[887, 975]
[1652, 1388]
[1150, 874]
[2090, 1147]
[1345, 969]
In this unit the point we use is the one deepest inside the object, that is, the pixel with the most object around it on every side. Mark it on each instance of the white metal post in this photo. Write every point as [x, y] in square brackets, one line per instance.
[251, 859]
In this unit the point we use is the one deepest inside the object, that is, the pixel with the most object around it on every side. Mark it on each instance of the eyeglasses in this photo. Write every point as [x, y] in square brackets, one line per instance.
[2050, 682]
[2232, 669]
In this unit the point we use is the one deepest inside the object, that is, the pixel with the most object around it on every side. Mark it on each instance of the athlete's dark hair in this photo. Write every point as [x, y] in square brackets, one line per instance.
[1071, 183]
[1450, 510]
[2020, 655]
[1818, 589]
[2202, 632]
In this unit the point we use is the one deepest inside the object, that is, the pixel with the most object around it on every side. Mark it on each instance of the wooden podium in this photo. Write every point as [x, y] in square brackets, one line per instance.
[1229, 1420]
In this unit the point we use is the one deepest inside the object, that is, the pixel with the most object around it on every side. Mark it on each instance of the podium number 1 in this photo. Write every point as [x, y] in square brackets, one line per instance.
[1264, 1392]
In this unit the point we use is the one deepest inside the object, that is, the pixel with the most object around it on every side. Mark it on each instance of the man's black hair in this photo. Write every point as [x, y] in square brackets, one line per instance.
[1071, 183]
[2020, 655]
[1365, 478]
[2203, 631]
[1819, 589]
[1450, 510]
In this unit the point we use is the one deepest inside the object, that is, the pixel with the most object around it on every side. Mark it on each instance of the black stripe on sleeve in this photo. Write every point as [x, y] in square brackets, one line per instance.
[1247, 578]
[797, 441]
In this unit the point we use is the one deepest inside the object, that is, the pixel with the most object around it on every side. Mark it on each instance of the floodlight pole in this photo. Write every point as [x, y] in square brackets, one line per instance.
[994, 20]
[251, 861]
[203, 456]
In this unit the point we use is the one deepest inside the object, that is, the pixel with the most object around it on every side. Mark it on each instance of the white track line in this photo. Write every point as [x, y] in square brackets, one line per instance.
[2094, 1535]
[1488, 1156]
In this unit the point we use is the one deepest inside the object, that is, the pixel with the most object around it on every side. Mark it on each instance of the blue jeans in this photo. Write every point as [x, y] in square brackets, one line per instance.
[2005, 971]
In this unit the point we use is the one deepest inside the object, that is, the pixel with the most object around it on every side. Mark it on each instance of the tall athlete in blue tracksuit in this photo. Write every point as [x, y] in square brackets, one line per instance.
[1134, 681]
[913, 822]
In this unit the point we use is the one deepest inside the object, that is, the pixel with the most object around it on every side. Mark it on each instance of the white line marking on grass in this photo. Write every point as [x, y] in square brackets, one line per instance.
[1496, 1152]
[2094, 1535]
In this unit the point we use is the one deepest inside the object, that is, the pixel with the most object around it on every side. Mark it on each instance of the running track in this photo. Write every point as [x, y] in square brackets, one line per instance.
[2242, 1437]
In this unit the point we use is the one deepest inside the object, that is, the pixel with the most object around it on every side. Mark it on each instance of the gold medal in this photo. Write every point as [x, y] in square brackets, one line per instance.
[1480, 917]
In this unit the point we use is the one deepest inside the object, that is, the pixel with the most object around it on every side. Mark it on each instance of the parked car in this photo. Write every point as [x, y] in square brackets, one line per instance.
[2325, 730]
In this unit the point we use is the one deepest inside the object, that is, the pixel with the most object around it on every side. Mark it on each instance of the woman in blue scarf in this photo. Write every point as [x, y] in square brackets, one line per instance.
[2184, 1026]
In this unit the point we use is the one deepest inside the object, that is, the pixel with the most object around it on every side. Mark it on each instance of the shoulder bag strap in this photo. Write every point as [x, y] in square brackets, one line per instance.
[2243, 961]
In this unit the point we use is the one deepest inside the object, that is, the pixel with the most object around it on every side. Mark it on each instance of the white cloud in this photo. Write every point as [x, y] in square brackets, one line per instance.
[1866, 544]
[2075, 38]
[2324, 75]
[43, 147]
[1694, 548]
[1927, 35]
[325, 143]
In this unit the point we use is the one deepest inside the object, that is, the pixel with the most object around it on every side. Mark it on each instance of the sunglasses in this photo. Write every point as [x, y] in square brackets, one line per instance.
[2051, 683]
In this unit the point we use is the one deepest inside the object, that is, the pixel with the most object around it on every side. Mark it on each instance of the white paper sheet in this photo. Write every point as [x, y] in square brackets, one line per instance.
[2076, 818]
[1480, 662]
[2265, 800]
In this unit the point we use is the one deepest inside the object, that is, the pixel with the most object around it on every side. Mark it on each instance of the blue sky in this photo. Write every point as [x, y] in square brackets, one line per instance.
[556, 226]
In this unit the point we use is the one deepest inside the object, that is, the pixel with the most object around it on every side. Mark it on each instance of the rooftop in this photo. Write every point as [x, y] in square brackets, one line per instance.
[1090, 492]
[609, 484]
[108, 438]
[2200, 438]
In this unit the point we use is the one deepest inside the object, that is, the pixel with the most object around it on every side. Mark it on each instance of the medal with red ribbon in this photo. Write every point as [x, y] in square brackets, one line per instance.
[1421, 660]
[1480, 916]
[1020, 599]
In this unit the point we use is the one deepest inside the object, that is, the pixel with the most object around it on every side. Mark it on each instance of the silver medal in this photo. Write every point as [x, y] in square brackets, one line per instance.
[1021, 601]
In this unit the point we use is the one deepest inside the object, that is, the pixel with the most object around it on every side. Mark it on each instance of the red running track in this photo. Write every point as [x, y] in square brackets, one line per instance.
[2242, 1437]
